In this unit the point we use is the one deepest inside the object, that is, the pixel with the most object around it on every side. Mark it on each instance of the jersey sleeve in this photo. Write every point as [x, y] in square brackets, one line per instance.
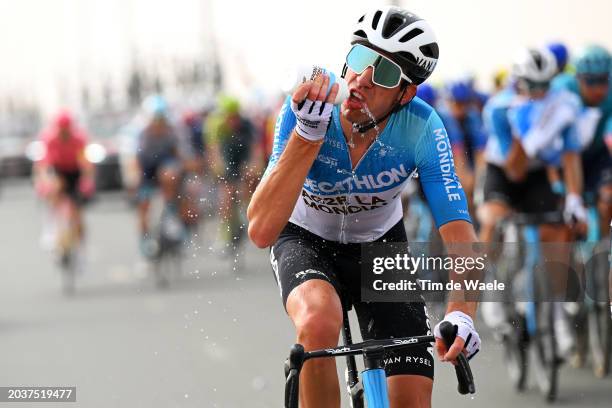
[560, 111]
[518, 120]
[571, 139]
[436, 169]
[282, 131]
[497, 126]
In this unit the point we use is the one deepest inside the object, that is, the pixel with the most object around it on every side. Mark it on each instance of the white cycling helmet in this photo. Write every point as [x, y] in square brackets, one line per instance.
[404, 37]
[535, 65]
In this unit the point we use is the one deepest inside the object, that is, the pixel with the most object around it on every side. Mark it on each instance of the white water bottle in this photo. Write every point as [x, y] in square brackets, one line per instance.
[304, 73]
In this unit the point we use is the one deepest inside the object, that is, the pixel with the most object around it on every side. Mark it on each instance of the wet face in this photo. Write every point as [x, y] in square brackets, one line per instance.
[363, 92]
[593, 92]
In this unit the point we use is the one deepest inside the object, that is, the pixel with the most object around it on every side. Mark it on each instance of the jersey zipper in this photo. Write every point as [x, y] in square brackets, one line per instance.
[342, 236]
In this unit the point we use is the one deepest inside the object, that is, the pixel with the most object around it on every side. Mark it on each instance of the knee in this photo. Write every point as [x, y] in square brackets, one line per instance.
[412, 391]
[319, 328]
[318, 324]
[168, 175]
[490, 214]
[485, 216]
[143, 206]
[605, 195]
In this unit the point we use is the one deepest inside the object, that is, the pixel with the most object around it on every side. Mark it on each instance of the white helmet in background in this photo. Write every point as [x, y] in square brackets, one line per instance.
[535, 65]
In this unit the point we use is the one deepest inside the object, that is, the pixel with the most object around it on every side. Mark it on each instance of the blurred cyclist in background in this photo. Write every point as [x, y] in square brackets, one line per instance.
[193, 121]
[160, 163]
[230, 137]
[466, 133]
[531, 128]
[269, 126]
[521, 145]
[500, 80]
[194, 166]
[428, 93]
[64, 172]
[591, 83]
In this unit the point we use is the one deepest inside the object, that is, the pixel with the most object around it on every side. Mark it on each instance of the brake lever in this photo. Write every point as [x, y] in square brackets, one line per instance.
[465, 379]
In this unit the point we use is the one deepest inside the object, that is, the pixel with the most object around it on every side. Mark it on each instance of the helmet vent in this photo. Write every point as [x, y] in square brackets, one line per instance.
[361, 19]
[411, 34]
[376, 19]
[537, 58]
[408, 56]
[430, 50]
[394, 23]
[360, 33]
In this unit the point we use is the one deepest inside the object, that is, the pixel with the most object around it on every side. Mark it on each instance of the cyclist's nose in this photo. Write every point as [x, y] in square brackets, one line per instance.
[365, 78]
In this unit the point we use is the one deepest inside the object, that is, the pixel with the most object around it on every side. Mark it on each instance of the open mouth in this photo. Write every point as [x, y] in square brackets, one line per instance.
[355, 100]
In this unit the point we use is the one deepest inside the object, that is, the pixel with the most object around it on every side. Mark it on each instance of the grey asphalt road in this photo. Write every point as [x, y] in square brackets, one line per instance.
[213, 339]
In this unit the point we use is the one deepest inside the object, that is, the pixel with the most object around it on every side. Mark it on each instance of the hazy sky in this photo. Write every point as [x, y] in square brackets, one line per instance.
[46, 41]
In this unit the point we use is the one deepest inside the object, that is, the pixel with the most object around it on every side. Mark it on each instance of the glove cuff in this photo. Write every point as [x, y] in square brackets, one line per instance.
[573, 199]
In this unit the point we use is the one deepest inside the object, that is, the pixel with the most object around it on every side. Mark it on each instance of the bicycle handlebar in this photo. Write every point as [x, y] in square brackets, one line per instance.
[298, 356]
[465, 379]
[358, 348]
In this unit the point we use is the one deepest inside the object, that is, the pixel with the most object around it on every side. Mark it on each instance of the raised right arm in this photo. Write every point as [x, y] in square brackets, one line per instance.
[276, 195]
[292, 157]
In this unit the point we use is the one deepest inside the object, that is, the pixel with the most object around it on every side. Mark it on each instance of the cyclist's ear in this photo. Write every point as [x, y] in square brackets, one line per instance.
[408, 93]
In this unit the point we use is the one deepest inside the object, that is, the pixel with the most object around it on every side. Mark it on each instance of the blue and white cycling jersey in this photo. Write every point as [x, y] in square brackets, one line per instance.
[547, 127]
[594, 122]
[343, 204]
[497, 126]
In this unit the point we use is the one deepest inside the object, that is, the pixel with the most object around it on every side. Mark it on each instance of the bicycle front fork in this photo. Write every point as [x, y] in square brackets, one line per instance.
[374, 378]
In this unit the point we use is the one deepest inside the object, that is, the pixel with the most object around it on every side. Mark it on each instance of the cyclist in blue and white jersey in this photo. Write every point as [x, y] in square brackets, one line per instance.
[465, 131]
[333, 183]
[499, 143]
[531, 129]
[591, 83]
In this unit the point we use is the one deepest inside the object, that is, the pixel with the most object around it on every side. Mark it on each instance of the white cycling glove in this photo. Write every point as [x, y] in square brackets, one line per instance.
[465, 330]
[312, 119]
[574, 209]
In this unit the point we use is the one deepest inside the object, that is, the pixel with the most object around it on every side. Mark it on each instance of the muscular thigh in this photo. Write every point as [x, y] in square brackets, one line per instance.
[297, 258]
